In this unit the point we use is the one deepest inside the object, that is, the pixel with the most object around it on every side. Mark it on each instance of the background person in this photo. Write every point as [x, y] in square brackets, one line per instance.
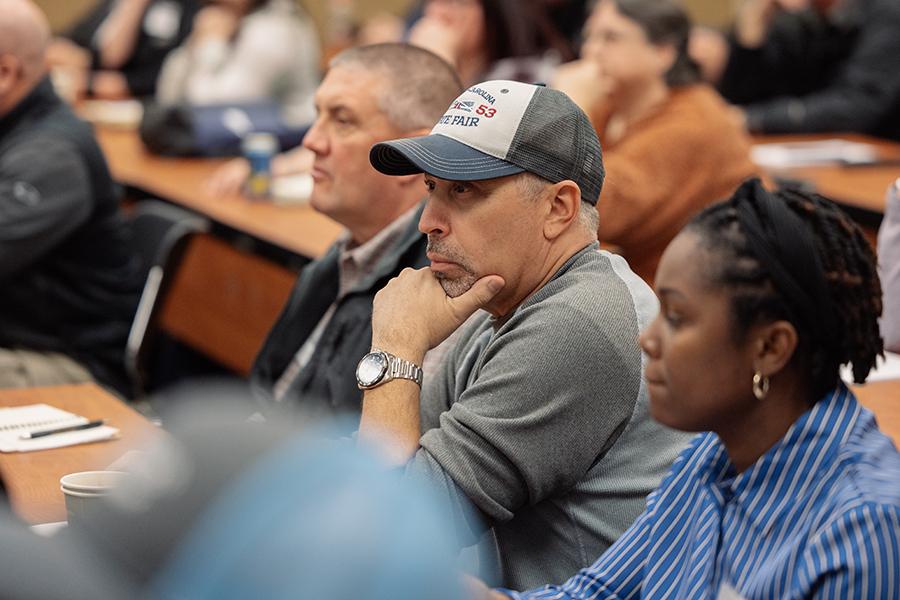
[807, 66]
[792, 492]
[670, 144]
[225, 509]
[245, 51]
[370, 94]
[483, 39]
[69, 272]
[117, 50]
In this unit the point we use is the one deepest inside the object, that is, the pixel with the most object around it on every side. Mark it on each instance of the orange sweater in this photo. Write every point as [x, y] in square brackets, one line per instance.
[667, 167]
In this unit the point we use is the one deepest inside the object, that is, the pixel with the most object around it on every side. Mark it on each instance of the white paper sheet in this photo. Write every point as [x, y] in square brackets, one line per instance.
[800, 154]
[38, 417]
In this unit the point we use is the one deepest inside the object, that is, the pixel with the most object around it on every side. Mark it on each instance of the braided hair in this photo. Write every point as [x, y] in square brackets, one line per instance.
[838, 322]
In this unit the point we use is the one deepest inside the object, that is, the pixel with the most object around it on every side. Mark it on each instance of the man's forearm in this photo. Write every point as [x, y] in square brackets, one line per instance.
[390, 412]
[390, 420]
[411, 315]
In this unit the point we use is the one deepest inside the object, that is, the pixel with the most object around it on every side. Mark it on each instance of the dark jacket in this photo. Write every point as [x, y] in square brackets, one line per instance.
[818, 74]
[68, 269]
[327, 384]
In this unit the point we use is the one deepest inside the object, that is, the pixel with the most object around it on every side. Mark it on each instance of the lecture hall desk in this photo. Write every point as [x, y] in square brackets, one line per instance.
[32, 479]
[860, 190]
[231, 286]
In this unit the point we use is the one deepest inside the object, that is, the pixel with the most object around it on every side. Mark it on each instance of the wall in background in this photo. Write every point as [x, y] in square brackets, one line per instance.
[714, 13]
[62, 13]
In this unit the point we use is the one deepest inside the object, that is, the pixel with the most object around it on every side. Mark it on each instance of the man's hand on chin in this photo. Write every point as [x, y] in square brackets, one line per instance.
[412, 314]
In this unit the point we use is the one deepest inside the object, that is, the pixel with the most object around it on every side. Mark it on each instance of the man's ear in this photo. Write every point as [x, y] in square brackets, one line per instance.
[564, 205]
[9, 71]
[774, 345]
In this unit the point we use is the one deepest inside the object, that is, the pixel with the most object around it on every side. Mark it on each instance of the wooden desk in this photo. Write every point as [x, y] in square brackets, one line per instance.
[297, 228]
[859, 189]
[883, 399]
[32, 478]
[227, 294]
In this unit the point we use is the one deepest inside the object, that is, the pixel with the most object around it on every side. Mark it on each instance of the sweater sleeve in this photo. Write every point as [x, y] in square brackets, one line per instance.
[618, 573]
[889, 265]
[638, 181]
[539, 414]
[647, 173]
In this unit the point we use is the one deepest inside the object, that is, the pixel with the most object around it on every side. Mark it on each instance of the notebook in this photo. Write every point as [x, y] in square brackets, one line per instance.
[38, 417]
[820, 152]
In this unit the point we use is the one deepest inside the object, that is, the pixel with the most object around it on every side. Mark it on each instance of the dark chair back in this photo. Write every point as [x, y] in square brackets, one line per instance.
[162, 232]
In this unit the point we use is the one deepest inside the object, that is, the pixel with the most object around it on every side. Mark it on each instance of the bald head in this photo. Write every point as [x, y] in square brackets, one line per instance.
[24, 34]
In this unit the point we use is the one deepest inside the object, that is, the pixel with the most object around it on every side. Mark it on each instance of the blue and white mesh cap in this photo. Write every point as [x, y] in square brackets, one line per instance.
[500, 128]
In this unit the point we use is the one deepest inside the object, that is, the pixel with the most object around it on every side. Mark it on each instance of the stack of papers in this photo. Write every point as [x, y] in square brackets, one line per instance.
[14, 422]
[804, 154]
[125, 114]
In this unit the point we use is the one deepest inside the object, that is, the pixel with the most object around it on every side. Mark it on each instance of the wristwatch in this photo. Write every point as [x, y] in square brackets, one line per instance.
[379, 367]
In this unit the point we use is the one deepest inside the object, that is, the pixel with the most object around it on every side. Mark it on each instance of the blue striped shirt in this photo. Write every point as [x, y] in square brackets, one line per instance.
[818, 515]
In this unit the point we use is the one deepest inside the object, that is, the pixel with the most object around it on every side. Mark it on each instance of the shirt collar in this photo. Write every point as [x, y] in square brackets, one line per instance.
[786, 471]
[355, 262]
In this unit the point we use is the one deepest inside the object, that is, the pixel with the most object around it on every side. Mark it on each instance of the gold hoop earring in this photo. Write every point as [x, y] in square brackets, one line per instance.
[760, 386]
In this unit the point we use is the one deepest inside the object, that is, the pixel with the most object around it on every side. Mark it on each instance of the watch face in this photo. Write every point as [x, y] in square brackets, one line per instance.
[371, 369]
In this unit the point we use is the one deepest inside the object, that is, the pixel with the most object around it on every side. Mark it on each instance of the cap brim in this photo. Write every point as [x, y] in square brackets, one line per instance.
[440, 156]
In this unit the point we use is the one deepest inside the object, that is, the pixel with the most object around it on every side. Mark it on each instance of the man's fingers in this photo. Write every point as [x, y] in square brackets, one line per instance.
[482, 292]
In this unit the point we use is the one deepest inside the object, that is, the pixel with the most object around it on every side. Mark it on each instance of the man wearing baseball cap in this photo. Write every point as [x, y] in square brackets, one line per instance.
[538, 417]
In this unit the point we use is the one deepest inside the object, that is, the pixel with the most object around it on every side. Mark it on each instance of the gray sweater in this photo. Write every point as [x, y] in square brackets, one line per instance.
[540, 423]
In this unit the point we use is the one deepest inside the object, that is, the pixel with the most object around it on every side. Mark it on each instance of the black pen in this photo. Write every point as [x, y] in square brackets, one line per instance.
[89, 425]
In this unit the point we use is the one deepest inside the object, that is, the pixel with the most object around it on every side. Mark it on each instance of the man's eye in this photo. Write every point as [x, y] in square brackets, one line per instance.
[460, 188]
[673, 318]
[343, 119]
[429, 185]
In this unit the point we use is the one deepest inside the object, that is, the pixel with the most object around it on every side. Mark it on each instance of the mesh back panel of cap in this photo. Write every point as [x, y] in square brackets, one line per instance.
[556, 141]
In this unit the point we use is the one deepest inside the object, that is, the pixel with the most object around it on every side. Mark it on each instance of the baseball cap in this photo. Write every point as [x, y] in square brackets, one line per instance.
[500, 128]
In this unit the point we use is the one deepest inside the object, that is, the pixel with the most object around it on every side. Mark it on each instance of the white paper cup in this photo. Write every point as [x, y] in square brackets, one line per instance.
[84, 493]
[93, 481]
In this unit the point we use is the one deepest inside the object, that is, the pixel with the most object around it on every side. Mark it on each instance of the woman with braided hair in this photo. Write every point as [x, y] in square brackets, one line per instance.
[793, 491]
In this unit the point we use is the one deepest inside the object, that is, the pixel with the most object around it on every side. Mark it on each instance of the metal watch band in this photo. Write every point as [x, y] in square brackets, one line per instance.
[399, 368]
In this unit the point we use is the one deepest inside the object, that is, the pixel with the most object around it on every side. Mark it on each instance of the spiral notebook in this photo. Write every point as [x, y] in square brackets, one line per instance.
[38, 417]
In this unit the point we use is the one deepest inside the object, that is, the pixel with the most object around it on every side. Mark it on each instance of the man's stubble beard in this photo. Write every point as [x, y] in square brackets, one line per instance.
[458, 285]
